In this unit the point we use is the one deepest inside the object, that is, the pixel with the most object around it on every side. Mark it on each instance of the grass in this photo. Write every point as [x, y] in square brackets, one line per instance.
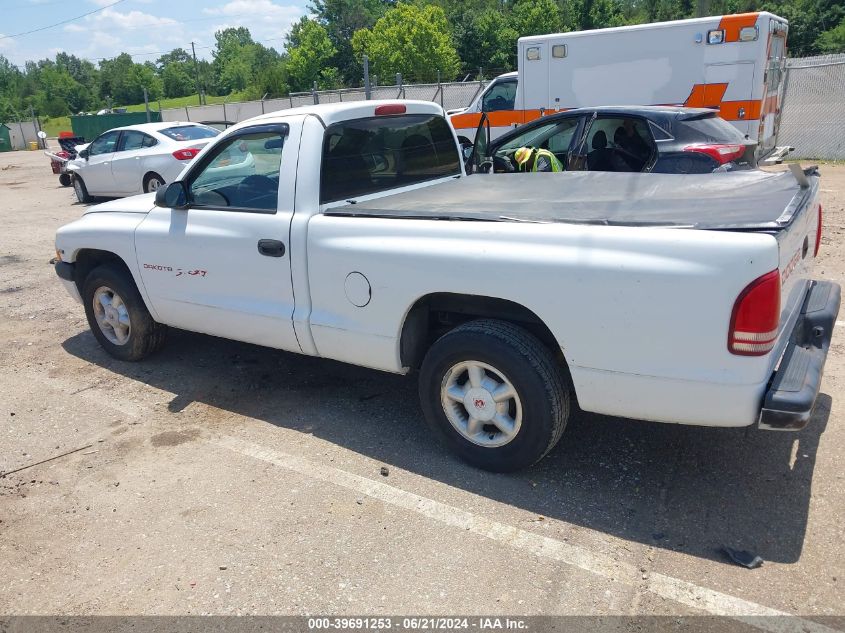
[181, 102]
[54, 125]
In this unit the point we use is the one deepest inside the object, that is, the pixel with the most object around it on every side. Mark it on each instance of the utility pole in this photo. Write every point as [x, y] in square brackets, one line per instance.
[367, 90]
[196, 72]
[147, 104]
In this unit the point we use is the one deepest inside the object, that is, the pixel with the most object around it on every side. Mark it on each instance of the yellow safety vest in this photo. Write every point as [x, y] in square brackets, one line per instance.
[537, 154]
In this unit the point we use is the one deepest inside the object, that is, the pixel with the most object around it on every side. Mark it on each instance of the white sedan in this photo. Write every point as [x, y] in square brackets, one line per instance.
[136, 158]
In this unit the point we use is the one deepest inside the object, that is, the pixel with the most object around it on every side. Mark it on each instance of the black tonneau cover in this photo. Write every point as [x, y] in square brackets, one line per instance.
[742, 199]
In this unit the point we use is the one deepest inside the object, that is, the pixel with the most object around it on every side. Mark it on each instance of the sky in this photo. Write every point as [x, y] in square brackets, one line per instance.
[142, 28]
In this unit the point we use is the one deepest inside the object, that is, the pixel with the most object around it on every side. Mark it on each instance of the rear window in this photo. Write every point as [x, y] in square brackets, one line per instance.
[370, 155]
[190, 132]
[710, 128]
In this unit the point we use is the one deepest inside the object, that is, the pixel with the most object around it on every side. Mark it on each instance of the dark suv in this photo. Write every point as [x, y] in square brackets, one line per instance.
[659, 139]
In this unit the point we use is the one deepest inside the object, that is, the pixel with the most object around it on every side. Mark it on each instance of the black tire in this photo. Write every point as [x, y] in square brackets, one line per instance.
[81, 190]
[65, 180]
[540, 384]
[145, 336]
[148, 180]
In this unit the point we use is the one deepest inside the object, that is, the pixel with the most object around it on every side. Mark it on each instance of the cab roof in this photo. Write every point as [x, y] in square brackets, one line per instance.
[330, 113]
[154, 127]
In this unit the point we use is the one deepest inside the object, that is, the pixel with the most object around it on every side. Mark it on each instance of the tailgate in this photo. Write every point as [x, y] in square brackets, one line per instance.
[798, 240]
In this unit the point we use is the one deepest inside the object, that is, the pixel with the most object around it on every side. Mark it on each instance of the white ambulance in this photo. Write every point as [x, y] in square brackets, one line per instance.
[734, 63]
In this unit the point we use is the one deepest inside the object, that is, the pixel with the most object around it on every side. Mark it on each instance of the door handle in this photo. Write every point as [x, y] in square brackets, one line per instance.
[271, 248]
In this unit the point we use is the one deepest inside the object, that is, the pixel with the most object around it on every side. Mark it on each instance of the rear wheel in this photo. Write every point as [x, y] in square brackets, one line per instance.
[494, 394]
[80, 190]
[117, 315]
[152, 182]
[65, 180]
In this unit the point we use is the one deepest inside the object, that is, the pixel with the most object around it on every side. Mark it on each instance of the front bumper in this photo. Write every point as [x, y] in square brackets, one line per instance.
[788, 402]
[67, 273]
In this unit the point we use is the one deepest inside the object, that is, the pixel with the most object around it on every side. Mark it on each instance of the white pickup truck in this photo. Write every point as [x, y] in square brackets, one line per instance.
[358, 237]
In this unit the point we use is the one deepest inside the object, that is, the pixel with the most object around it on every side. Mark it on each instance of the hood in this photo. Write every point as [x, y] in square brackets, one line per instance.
[134, 204]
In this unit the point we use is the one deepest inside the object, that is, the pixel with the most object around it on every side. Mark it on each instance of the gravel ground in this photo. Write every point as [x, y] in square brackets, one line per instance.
[224, 478]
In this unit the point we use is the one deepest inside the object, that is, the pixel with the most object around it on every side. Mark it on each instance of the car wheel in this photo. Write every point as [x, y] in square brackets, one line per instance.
[65, 180]
[152, 182]
[117, 315]
[80, 190]
[494, 394]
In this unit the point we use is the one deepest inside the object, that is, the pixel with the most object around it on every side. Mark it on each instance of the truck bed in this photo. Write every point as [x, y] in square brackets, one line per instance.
[738, 200]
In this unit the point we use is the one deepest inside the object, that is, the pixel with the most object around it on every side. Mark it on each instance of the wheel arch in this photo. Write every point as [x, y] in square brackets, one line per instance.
[87, 259]
[434, 314]
[149, 174]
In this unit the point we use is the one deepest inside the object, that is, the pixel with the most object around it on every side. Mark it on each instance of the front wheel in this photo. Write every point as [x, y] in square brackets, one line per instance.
[117, 315]
[80, 190]
[494, 394]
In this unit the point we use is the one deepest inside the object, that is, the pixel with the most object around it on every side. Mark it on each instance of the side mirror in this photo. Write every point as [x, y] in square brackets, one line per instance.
[172, 196]
[84, 154]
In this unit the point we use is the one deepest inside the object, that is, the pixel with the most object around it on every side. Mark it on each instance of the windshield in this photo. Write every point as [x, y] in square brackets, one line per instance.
[190, 132]
[365, 156]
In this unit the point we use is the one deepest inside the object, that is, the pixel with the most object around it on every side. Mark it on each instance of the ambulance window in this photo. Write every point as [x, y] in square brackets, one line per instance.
[500, 97]
[559, 51]
[532, 54]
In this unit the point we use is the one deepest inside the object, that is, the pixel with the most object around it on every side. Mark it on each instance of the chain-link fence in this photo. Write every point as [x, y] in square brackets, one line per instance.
[813, 115]
[450, 95]
[811, 121]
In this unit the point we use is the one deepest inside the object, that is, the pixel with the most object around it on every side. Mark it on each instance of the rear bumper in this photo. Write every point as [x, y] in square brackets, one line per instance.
[789, 399]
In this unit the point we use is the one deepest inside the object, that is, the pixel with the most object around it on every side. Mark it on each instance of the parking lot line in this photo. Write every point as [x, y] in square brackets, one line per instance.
[667, 587]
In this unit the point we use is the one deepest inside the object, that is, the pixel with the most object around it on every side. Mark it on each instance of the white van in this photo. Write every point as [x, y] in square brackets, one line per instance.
[734, 63]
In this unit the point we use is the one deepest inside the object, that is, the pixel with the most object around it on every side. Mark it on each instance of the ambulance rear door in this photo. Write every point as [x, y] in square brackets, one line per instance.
[730, 87]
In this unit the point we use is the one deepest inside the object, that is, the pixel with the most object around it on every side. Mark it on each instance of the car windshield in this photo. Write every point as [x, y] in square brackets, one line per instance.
[189, 132]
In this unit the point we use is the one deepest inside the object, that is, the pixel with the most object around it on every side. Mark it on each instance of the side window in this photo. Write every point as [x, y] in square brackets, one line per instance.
[659, 133]
[241, 173]
[131, 139]
[104, 144]
[500, 97]
[149, 141]
[561, 138]
[555, 136]
[530, 138]
[619, 144]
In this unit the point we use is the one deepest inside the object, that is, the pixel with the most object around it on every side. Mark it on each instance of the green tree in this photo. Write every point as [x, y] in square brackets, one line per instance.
[410, 39]
[341, 18]
[495, 41]
[832, 41]
[537, 17]
[310, 51]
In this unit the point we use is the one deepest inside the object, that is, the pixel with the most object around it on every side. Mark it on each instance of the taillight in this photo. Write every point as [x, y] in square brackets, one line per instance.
[393, 108]
[720, 153]
[818, 233]
[186, 154]
[755, 317]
